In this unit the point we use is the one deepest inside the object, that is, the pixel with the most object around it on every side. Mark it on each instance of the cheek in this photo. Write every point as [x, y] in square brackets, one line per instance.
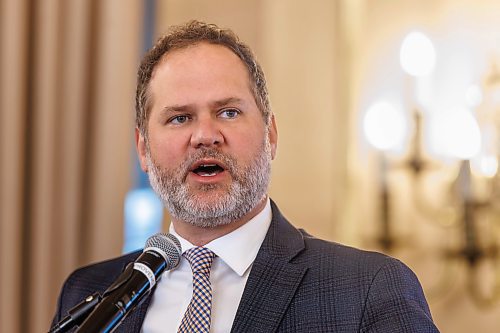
[165, 151]
[249, 146]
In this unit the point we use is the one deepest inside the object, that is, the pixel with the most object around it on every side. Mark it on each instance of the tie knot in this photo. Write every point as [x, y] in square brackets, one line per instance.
[200, 259]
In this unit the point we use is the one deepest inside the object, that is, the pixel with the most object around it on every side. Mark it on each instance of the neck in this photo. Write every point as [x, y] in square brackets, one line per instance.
[200, 236]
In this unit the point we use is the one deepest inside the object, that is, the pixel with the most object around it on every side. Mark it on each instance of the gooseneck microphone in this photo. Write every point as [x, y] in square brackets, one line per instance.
[162, 252]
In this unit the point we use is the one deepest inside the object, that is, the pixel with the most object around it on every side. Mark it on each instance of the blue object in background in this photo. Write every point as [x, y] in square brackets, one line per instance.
[143, 218]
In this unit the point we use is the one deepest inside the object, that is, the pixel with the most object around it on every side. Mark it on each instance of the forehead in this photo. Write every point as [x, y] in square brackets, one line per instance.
[201, 68]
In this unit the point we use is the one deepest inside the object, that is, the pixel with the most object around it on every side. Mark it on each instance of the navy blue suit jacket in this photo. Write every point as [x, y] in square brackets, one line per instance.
[297, 283]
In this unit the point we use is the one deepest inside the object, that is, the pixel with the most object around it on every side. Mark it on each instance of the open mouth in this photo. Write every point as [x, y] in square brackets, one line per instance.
[208, 170]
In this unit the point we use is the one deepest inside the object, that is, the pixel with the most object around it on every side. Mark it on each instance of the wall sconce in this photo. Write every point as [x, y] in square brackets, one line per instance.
[455, 135]
[385, 128]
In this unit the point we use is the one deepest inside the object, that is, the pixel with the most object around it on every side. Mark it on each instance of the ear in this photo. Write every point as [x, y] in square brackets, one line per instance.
[273, 136]
[140, 145]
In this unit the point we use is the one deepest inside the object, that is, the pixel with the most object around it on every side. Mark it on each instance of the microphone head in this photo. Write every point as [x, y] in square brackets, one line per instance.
[168, 246]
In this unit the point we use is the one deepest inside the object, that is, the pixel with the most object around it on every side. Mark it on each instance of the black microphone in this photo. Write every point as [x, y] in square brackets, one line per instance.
[162, 252]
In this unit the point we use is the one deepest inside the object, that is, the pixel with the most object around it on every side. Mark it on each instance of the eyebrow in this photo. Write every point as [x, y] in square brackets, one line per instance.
[175, 108]
[215, 104]
[228, 101]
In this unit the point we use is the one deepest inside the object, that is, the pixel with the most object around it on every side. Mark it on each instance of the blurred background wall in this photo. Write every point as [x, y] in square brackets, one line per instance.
[372, 153]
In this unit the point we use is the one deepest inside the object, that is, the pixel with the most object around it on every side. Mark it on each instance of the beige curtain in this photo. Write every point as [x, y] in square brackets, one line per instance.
[66, 101]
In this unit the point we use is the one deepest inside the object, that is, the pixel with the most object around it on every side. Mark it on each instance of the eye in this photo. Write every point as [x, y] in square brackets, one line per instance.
[181, 119]
[229, 113]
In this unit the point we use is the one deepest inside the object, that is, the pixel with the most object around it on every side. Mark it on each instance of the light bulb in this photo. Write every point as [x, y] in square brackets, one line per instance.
[385, 126]
[417, 55]
[455, 134]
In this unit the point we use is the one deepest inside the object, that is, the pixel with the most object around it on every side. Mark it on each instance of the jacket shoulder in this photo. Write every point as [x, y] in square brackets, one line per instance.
[382, 293]
[324, 252]
[101, 271]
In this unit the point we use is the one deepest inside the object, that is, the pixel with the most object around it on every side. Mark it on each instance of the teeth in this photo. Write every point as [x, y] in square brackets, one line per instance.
[208, 174]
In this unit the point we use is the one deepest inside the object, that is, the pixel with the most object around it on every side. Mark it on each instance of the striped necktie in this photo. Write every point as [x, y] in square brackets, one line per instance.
[197, 316]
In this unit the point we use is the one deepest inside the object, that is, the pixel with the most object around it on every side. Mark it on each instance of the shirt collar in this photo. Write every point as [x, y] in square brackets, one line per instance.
[239, 248]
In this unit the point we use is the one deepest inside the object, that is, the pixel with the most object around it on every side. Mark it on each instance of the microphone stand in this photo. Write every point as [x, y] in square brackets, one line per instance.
[77, 314]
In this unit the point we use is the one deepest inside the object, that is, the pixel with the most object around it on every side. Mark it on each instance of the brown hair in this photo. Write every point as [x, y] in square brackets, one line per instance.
[192, 33]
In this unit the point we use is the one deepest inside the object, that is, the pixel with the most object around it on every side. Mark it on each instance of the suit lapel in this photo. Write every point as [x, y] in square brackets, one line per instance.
[273, 280]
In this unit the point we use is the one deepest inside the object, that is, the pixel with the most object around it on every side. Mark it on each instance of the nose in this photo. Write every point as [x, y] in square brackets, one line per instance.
[206, 133]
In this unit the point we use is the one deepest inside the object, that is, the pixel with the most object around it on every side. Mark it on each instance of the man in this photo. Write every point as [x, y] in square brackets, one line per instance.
[206, 136]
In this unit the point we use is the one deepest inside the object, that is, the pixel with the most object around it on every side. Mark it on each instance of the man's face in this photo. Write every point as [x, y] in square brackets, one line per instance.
[208, 152]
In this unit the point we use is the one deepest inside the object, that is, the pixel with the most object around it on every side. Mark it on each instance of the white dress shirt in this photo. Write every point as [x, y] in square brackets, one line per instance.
[235, 252]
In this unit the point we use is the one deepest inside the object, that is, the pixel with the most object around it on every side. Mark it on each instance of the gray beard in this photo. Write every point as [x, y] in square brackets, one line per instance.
[248, 187]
